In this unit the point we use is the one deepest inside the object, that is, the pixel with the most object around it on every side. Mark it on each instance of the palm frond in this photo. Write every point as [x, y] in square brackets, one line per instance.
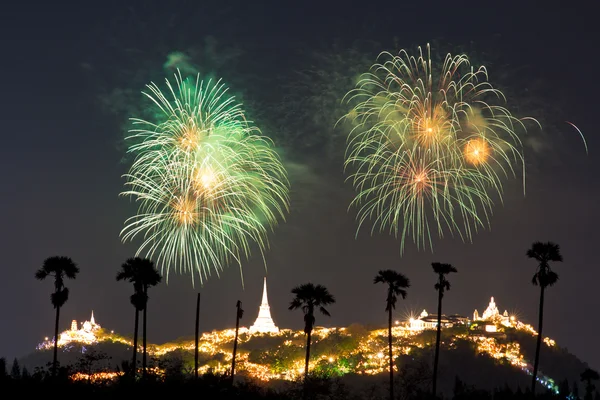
[324, 311]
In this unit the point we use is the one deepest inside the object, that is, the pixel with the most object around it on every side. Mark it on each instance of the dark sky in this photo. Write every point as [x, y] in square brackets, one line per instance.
[61, 171]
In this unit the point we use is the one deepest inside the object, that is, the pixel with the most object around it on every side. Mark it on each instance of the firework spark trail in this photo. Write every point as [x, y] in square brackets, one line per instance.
[429, 147]
[209, 185]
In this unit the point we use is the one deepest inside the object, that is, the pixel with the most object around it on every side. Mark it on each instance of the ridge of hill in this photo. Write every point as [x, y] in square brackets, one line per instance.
[486, 360]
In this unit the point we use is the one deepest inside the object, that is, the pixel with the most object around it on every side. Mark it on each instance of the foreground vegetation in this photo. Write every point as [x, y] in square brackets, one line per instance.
[408, 386]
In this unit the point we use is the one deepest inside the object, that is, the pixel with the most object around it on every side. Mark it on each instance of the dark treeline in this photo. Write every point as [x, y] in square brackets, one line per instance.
[41, 382]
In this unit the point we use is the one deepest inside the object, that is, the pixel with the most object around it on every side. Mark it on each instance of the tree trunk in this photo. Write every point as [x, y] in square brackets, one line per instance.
[144, 333]
[437, 339]
[55, 356]
[135, 337]
[306, 364]
[539, 343]
[237, 328]
[307, 355]
[390, 349]
[197, 333]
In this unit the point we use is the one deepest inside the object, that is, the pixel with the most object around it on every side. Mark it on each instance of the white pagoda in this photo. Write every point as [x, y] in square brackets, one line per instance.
[264, 323]
[86, 334]
[492, 313]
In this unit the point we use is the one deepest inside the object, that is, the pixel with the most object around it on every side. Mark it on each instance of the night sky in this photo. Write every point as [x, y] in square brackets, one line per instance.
[62, 163]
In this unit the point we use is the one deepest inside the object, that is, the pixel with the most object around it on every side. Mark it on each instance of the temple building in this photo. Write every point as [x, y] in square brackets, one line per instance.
[492, 314]
[429, 321]
[85, 334]
[264, 323]
[424, 321]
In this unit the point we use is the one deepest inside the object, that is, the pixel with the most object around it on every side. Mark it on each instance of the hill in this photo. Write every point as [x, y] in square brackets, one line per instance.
[355, 354]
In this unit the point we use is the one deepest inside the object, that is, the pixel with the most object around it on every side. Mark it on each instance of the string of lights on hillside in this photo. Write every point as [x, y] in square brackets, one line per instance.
[336, 351]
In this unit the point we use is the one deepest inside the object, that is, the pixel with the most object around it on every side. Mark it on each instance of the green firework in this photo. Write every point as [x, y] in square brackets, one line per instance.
[209, 185]
[429, 146]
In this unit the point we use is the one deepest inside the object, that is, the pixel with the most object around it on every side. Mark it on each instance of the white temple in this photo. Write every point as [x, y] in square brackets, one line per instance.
[492, 314]
[264, 323]
[422, 322]
[85, 334]
[489, 319]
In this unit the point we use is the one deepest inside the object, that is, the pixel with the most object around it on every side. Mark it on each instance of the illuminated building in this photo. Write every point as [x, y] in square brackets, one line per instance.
[422, 322]
[264, 323]
[492, 314]
[87, 334]
[429, 321]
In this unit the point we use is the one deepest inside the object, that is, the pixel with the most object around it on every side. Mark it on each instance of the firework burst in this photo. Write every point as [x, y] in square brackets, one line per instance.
[209, 185]
[429, 146]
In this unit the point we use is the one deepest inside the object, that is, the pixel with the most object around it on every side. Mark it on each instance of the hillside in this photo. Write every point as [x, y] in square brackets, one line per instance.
[485, 360]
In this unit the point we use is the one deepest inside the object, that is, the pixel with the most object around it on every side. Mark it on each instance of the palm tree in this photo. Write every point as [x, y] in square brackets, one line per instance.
[308, 297]
[59, 267]
[441, 286]
[142, 274]
[588, 376]
[397, 285]
[544, 277]
[196, 336]
[150, 277]
[238, 315]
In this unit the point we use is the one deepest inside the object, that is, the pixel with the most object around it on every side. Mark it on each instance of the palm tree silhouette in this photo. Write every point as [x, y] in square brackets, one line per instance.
[310, 297]
[544, 277]
[59, 267]
[397, 285]
[150, 277]
[238, 315]
[142, 274]
[588, 376]
[441, 286]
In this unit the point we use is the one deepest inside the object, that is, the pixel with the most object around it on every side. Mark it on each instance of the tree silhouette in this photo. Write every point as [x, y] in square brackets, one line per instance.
[588, 376]
[142, 274]
[238, 315]
[441, 286]
[150, 277]
[3, 374]
[563, 389]
[15, 371]
[397, 285]
[197, 333]
[544, 253]
[60, 268]
[308, 298]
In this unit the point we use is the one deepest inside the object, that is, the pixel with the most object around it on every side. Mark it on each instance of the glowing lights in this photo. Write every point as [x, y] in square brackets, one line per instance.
[510, 352]
[96, 377]
[184, 210]
[205, 179]
[284, 359]
[491, 328]
[477, 151]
